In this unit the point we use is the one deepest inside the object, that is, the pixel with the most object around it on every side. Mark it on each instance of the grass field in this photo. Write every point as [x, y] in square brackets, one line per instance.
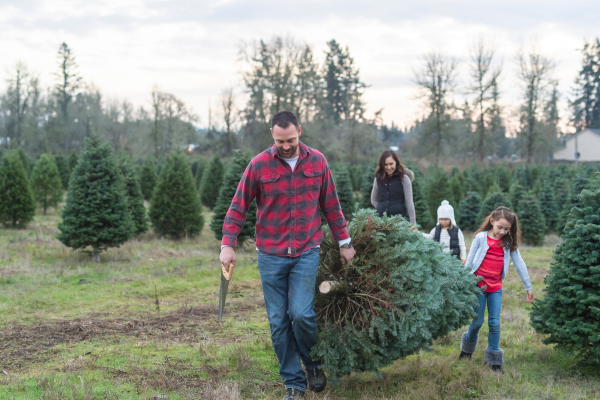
[143, 324]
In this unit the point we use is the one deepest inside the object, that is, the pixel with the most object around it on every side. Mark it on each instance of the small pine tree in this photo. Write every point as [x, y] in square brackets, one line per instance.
[212, 178]
[503, 178]
[17, 205]
[523, 176]
[343, 187]
[366, 187]
[569, 311]
[468, 212]
[531, 220]
[457, 190]
[231, 179]
[73, 159]
[96, 211]
[63, 170]
[422, 213]
[355, 172]
[516, 193]
[148, 179]
[437, 190]
[45, 182]
[548, 205]
[135, 199]
[493, 200]
[175, 209]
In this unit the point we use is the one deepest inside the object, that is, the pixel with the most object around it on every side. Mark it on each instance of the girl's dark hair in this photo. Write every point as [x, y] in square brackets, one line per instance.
[513, 238]
[380, 173]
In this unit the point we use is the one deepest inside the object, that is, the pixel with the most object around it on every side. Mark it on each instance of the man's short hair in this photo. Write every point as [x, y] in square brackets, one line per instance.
[283, 119]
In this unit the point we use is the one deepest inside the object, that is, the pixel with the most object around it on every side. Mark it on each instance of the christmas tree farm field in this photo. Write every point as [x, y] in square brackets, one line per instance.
[143, 323]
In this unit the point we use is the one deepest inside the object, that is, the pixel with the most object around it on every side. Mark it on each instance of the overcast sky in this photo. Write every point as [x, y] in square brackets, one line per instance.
[190, 47]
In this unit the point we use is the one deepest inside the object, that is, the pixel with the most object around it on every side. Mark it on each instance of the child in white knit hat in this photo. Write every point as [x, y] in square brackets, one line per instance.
[447, 233]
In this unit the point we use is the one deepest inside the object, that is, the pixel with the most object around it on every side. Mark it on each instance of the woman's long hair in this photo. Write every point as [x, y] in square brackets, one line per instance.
[380, 173]
[512, 239]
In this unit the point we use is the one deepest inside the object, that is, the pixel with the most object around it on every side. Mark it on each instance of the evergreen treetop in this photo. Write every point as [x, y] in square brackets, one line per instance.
[493, 200]
[175, 209]
[45, 182]
[569, 311]
[96, 212]
[17, 205]
[212, 179]
[231, 179]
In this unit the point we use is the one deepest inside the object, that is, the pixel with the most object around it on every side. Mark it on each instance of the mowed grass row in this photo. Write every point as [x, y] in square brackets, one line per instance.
[143, 323]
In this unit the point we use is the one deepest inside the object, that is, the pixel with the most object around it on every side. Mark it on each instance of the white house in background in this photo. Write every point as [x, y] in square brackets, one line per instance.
[586, 142]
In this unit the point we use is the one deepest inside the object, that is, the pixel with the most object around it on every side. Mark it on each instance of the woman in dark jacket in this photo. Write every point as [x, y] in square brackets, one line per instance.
[392, 188]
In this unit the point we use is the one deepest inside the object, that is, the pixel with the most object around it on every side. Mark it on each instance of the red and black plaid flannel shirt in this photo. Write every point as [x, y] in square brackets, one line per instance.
[288, 221]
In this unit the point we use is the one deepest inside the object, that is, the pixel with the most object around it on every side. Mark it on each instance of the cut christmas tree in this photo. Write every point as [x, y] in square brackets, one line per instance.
[232, 177]
[569, 313]
[400, 293]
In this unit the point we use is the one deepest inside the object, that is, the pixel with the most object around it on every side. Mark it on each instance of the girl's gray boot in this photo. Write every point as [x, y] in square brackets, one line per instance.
[494, 358]
[467, 348]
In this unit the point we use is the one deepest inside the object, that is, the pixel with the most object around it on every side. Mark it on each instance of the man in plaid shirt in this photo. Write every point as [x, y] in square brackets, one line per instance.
[289, 181]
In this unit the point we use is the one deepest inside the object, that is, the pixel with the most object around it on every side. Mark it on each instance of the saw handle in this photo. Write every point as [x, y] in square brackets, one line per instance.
[228, 274]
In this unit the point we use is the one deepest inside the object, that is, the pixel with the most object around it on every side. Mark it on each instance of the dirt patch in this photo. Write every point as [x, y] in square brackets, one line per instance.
[7, 272]
[23, 344]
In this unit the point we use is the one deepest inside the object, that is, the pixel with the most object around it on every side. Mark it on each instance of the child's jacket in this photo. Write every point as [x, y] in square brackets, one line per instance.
[479, 248]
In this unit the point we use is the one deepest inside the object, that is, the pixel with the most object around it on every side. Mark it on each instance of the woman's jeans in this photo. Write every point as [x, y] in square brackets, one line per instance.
[288, 285]
[494, 304]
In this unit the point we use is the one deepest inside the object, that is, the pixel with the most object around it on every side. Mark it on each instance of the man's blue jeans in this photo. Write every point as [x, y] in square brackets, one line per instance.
[288, 285]
[494, 305]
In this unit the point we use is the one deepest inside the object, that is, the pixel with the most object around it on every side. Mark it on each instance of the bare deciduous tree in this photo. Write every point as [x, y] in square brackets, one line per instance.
[534, 71]
[484, 86]
[436, 81]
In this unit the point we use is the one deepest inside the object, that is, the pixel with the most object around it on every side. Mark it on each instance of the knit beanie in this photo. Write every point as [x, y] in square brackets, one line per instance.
[446, 211]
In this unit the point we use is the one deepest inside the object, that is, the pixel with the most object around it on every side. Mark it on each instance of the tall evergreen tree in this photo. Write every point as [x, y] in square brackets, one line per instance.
[175, 209]
[568, 313]
[343, 187]
[548, 205]
[148, 178]
[586, 105]
[17, 205]
[231, 179]
[45, 182]
[212, 179]
[516, 193]
[468, 212]
[96, 212]
[493, 200]
[135, 199]
[63, 170]
[531, 220]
